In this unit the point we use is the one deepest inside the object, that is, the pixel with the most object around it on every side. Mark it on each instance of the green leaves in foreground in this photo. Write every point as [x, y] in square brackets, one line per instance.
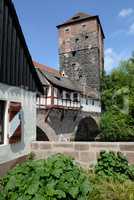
[56, 178]
[114, 165]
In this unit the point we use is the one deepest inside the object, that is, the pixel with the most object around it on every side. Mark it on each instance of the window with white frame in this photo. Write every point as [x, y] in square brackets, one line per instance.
[2, 114]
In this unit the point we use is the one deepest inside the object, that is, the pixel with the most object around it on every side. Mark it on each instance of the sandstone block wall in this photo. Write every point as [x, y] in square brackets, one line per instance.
[85, 153]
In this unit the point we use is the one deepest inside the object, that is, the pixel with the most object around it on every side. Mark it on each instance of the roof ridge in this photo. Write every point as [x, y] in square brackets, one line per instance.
[46, 68]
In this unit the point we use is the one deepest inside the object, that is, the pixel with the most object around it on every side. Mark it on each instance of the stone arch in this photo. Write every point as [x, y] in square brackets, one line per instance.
[87, 129]
[41, 135]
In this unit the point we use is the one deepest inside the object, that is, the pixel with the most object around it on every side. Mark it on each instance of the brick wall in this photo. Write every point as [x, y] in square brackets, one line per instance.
[84, 153]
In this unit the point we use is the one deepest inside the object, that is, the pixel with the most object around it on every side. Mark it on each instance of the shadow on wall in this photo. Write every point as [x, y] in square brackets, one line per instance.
[63, 122]
[69, 124]
[41, 136]
[87, 130]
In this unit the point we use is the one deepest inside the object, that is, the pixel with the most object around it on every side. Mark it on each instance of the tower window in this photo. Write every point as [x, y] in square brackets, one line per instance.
[67, 41]
[83, 25]
[73, 64]
[76, 40]
[67, 29]
[73, 53]
[86, 37]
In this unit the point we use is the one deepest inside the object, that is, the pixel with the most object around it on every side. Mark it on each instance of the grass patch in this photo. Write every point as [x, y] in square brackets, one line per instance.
[109, 189]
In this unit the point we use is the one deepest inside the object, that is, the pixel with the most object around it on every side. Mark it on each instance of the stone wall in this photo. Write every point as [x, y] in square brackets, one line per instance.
[84, 153]
[81, 52]
[63, 122]
[82, 67]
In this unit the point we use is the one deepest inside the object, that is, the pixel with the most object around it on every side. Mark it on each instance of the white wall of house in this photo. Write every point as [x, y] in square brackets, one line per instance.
[28, 101]
[90, 105]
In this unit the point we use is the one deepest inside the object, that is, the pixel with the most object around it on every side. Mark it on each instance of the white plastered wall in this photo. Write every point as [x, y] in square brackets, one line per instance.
[28, 101]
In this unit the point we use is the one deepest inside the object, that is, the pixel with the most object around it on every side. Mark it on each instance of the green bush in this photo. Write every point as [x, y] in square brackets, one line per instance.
[56, 178]
[114, 165]
[116, 126]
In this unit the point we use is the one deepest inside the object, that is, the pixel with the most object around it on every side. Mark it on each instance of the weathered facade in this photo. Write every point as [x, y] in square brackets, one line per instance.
[65, 112]
[81, 49]
[19, 84]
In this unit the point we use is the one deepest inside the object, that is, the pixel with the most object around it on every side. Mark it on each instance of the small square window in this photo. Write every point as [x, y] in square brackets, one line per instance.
[73, 53]
[86, 37]
[67, 29]
[73, 64]
[76, 40]
[83, 25]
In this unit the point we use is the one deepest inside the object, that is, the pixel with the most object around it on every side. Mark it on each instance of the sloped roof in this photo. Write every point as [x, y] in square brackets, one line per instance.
[16, 66]
[66, 83]
[45, 68]
[77, 17]
[58, 81]
[42, 78]
[80, 16]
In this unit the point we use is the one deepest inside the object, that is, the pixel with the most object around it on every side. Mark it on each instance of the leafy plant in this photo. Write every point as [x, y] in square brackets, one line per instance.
[56, 178]
[114, 165]
[116, 126]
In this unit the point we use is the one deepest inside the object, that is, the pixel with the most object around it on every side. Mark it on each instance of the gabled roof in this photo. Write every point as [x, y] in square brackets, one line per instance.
[57, 81]
[42, 78]
[16, 66]
[45, 68]
[77, 17]
[81, 17]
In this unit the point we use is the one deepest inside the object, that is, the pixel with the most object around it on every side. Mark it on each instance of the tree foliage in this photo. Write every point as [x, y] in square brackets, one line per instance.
[117, 121]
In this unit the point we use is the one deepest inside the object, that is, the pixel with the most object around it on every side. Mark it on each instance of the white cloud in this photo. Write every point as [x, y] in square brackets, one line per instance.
[126, 12]
[112, 59]
[131, 29]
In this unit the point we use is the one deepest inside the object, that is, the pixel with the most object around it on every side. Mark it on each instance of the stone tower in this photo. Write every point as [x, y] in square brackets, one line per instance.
[81, 49]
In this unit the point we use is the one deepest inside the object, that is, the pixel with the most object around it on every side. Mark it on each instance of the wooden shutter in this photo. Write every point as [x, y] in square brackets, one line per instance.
[15, 131]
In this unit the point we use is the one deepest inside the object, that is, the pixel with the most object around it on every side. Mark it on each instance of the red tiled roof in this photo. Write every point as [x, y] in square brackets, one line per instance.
[46, 68]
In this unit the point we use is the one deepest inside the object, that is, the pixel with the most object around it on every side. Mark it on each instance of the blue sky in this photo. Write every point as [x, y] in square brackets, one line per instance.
[39, 19]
